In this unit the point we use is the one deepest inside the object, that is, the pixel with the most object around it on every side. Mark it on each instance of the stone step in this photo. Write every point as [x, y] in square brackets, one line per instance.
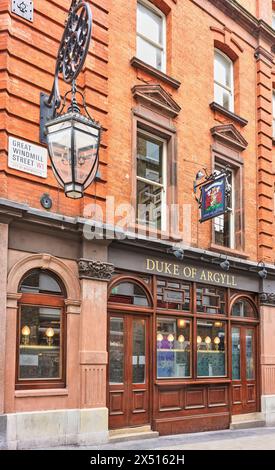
[132, 434]
[247, 421]
[247, 417]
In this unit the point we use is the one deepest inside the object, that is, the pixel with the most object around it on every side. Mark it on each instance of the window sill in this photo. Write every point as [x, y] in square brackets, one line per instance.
[228, 251]
[139, 64]
[49, 392]
[234, 117]
[184, 382]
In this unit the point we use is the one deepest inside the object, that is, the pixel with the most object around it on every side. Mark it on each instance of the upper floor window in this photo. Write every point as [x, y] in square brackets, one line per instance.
[151, 35]
[151, 181]
[41, 332]
[223, 81]
[273, 20]
[224, 224]
[273, 113]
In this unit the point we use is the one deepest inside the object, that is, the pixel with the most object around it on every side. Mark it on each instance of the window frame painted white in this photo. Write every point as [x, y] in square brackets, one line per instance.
[163, 186]
[230, 90]
[161, 47]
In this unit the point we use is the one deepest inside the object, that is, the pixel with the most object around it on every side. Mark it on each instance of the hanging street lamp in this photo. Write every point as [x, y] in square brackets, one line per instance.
[73, 139]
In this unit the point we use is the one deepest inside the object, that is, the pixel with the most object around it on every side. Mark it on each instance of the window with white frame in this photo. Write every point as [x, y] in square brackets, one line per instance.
[273, 20]
[151, 181]
[224, 224]
[273, 113]
[223, 81]
[151, 35]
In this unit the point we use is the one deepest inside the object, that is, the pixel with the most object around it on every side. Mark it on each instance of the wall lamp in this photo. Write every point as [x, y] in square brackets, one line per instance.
[177, 252]
[224, 265]
[73, 138]
[263, 272]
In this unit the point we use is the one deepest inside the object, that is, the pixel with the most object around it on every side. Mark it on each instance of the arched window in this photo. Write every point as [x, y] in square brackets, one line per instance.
[223, 81]
[129, 293]
[244, 309]
[41, 331]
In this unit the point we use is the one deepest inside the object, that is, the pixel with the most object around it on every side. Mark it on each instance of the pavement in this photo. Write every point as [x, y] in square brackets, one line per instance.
[245, 439]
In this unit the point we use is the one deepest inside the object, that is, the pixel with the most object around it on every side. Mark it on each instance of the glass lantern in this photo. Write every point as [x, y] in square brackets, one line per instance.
[73, 143]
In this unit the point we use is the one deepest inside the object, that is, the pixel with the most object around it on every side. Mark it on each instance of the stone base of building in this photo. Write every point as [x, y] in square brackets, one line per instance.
[54, 428]
[268, 409]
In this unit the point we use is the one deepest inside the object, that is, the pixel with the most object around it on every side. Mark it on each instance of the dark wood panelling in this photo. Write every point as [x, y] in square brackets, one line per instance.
[195, 398]
[170, 400]
[139, 401]
[116, 403]
[217, 396]
[236, 394]
[185, 424]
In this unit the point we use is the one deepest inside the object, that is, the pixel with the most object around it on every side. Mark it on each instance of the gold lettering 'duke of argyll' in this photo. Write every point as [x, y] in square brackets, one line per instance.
[190, 272]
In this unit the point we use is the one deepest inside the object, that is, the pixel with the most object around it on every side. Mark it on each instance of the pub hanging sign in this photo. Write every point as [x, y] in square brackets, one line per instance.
[214, 194]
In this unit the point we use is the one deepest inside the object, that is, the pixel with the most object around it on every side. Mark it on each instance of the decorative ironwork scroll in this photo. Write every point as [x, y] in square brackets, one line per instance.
[73, 48]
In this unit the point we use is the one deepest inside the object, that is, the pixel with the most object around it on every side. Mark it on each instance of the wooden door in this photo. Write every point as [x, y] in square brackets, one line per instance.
[129, 387]
[244, 369]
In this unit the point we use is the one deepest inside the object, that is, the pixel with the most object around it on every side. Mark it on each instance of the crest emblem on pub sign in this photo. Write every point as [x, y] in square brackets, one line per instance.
[213, 199]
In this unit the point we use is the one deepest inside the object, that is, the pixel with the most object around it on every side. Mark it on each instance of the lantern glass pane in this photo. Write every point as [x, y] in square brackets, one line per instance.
[86, 148]
[59, 143]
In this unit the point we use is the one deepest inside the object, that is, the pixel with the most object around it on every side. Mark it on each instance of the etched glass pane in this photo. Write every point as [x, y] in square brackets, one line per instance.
[236, 354]
[249, 349]
[138, 358]
[211, 349]
[116, 351]
[129, 293]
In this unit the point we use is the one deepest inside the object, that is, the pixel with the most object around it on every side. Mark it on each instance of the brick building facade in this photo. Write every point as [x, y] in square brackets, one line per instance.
[100, 333]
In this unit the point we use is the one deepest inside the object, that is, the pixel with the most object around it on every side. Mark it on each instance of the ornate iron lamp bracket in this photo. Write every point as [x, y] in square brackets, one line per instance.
[71, 56]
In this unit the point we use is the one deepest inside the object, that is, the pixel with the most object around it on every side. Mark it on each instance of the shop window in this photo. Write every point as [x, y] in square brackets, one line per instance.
[151, 181]
[210, 300]
[151, 35]
[223, 81]
[244, 309]
[211, 349]
[173, 348]
[129, 293]
[41, 332]
[173, 295]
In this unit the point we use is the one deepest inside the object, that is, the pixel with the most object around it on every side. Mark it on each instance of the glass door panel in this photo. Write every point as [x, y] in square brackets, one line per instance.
[138, 356]
[116, 351]
[249, 352]
[236, 354]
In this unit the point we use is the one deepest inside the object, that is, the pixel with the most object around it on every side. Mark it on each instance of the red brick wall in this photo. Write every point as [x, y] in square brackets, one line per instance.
[28, 55]
[28, 52]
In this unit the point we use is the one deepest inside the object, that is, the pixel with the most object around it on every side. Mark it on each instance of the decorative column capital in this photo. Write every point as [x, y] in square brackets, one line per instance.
[98, 270]
[267, 299]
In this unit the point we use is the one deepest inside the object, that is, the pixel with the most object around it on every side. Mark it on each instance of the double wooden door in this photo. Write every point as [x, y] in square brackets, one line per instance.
[244, 369]
[129, 387]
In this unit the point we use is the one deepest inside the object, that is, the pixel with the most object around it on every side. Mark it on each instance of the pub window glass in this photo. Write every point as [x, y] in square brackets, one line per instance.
[129, 293]
[173, 348]
[41, 324]
[116, 351]
[40, 343]
[211, 348]
[242, 308]
[210, 300]
[173, 295]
